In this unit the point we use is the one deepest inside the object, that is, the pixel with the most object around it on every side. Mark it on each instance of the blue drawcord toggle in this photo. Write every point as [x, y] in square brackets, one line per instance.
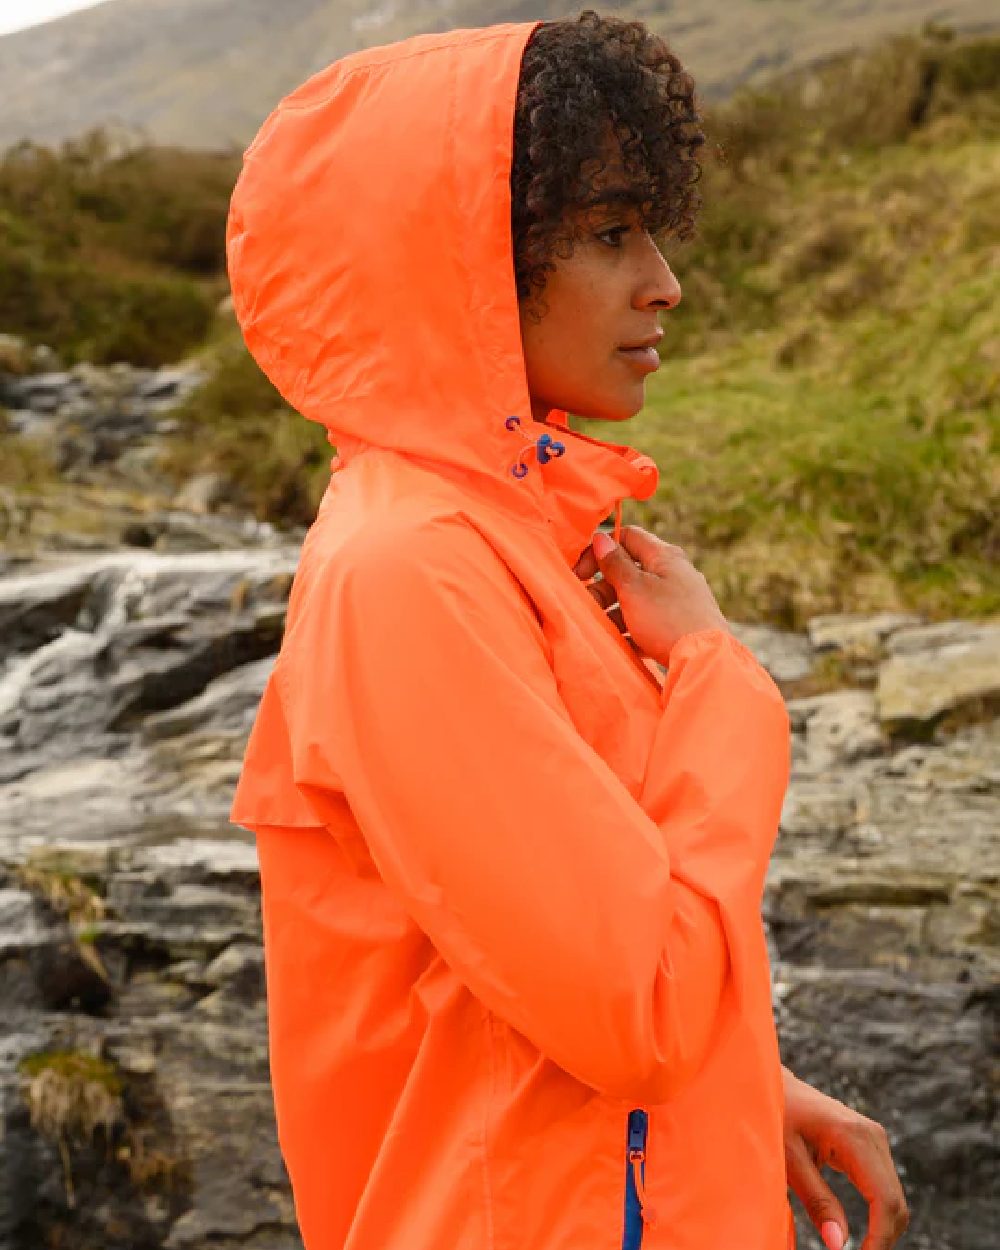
[546, 447]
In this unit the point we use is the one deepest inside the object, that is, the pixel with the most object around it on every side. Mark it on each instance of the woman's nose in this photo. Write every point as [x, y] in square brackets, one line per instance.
[672, 288]
[660, 288]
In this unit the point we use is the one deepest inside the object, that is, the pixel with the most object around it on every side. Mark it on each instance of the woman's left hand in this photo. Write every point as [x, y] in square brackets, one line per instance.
[820, 1131]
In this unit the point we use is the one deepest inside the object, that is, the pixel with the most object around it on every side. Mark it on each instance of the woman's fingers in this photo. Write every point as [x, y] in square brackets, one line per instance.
[586, 566]
[604, 594]
[640, 654]
[602, 591]
[810, 1187]
[864, 1155]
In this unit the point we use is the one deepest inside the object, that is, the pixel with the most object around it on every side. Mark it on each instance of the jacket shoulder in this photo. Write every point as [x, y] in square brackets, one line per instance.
[415, 551]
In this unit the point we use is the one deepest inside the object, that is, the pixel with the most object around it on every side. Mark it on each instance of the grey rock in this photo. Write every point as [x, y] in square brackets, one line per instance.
[226, 705]
[202, 493]
[70, 976]
[168, 383]
[787, 657]
[938, 669]
[941, 635]
[240, 968]
[36, 609]
[857, 633]
[20, 927]
[44, 359]
[40, 385]
[117, 638]
[839, 727]
[29, 423]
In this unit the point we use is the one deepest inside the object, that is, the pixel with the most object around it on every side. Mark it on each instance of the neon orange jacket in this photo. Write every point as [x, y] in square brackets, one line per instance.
[517, 979]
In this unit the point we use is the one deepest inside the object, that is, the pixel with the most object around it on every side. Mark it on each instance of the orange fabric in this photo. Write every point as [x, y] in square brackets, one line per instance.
[511, 876]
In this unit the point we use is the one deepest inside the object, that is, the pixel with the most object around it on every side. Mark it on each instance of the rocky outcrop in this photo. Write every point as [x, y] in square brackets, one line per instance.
[134, 1096]
[103, 430]
[98, 412]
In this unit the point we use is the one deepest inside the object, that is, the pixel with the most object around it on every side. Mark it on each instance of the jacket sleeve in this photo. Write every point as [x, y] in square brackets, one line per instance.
[415, 681]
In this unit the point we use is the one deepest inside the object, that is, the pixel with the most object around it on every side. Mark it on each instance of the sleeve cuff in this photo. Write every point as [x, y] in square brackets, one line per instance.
[701, 640]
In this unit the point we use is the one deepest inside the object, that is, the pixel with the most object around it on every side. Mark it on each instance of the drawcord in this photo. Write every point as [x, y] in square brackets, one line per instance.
[617, 535]
[636, 1157]
[546, 447]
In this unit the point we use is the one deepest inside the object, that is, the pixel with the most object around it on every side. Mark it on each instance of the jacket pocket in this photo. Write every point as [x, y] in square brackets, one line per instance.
[637, 1211]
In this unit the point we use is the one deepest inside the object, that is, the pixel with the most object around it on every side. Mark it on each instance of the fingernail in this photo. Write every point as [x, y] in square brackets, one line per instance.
[831, 1234]
[602, 543]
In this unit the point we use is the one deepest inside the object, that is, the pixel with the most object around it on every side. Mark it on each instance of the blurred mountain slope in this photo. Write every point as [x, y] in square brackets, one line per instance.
[205, 73]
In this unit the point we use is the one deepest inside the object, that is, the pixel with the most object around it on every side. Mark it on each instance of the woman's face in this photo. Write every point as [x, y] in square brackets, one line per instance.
[606, 297]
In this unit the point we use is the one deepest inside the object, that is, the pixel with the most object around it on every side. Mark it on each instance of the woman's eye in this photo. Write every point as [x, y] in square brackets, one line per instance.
[617, 231]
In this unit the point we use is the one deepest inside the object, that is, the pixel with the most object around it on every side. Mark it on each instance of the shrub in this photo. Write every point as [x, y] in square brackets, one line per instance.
[238, 425]
[109, 255]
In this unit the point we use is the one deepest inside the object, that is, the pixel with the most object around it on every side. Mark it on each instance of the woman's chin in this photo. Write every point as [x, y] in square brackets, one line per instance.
[612, 411]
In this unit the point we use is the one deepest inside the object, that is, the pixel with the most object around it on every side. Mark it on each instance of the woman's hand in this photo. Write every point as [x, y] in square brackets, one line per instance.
[604, 595]
[661, 595]
[820, 1131]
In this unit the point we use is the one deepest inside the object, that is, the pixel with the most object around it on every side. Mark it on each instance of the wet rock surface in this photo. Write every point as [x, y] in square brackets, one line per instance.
[130, 914]
[94, 414]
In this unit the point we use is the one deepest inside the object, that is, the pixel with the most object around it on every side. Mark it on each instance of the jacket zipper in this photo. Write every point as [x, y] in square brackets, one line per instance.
[637, 1212]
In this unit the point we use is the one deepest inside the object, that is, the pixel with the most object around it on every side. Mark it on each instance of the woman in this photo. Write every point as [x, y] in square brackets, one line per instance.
[518, 988]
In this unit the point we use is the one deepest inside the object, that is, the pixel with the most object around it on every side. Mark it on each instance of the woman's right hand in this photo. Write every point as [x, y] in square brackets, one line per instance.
[662, 596]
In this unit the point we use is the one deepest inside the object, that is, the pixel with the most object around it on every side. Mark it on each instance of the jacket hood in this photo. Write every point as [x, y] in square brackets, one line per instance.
[371, 263]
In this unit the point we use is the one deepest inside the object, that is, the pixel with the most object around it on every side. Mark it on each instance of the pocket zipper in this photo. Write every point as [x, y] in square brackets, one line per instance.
[637, 1211]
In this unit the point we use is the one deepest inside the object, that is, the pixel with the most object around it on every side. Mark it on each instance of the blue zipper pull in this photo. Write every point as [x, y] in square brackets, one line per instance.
[636, 1211]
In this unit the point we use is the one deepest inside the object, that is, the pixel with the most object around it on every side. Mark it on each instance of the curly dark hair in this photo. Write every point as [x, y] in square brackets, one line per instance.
[586, 83]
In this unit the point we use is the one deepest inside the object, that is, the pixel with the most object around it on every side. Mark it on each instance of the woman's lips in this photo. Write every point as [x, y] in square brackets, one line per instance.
[647, 358]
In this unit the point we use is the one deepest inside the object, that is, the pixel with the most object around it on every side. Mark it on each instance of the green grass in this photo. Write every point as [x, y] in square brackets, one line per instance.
[73, 1065]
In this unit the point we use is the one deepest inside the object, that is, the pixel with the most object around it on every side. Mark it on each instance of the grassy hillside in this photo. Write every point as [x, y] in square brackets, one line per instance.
[826, 418]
